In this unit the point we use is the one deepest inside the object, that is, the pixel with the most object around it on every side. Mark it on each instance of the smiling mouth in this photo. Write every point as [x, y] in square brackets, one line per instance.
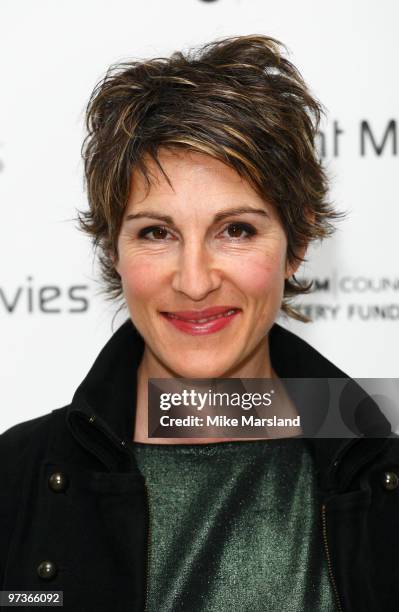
[197, 321]
[202, 322]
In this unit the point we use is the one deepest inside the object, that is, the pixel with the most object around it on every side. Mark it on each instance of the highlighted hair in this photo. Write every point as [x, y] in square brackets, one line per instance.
[239, 100]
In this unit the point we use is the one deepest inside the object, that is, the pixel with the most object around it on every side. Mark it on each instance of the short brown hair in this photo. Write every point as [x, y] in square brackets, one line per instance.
[239, 100]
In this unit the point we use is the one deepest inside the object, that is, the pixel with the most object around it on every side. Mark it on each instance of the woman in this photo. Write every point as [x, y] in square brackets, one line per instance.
[204, 192]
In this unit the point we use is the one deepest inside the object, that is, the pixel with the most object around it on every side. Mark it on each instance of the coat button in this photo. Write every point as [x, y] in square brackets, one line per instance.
[390, 481]
[58, 482]
[46, 570]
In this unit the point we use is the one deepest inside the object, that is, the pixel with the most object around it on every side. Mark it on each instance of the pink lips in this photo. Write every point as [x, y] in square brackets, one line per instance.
[200, 322]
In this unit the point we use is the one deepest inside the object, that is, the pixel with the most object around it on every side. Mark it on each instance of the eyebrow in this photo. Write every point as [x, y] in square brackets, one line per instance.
[219, 216]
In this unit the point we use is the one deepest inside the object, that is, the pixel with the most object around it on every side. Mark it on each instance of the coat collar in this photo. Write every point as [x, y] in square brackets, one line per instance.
[102, 413]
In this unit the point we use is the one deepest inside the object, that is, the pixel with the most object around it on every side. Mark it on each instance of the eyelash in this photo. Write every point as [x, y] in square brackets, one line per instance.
[251, 231]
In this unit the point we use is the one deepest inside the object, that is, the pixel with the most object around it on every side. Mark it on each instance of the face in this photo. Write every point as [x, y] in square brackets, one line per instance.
[202, 264]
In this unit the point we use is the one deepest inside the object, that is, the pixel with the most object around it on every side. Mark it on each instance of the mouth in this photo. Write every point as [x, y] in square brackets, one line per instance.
[202, 322]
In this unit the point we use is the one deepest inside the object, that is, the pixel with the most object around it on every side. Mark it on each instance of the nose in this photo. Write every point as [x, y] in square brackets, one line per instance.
[196, 274]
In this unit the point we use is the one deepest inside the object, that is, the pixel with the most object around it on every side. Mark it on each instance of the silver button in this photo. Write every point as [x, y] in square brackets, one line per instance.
[46, 570]
[58, 482]
[390, 481]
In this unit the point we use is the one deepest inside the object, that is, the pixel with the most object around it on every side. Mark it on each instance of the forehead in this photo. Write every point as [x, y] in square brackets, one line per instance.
[192, 175]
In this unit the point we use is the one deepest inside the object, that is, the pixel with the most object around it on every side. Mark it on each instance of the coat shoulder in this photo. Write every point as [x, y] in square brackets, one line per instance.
[22, 446]
[16, 441]
[392, 448]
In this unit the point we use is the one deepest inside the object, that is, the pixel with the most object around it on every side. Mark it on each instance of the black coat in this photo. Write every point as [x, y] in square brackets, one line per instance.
[71, 493]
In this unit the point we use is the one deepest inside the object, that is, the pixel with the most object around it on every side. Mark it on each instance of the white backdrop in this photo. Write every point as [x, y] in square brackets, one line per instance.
[52, 55]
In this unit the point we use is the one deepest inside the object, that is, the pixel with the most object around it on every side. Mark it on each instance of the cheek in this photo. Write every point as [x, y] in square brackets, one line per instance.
[140, 280]
[258, 276]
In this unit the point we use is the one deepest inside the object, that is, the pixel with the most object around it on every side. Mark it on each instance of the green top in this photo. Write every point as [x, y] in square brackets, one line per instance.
[234, 526]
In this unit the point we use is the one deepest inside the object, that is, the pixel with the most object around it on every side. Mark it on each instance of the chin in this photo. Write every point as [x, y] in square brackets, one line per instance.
[189, 369]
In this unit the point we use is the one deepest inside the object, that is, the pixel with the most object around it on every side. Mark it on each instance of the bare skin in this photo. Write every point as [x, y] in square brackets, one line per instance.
[286, 410]
[198, 261]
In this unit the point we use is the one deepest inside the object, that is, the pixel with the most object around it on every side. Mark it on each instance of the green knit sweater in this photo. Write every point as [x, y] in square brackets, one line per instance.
[234, 526]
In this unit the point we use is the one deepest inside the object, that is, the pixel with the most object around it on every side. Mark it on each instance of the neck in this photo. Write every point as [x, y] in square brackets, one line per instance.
[257, 365]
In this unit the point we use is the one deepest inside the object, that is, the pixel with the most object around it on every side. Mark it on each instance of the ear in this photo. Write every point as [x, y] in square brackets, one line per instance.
[114, 258]
[291, 268]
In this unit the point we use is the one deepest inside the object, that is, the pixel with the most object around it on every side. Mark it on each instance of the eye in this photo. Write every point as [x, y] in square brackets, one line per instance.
[159, 232]
[240, 231]
[236, 230]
